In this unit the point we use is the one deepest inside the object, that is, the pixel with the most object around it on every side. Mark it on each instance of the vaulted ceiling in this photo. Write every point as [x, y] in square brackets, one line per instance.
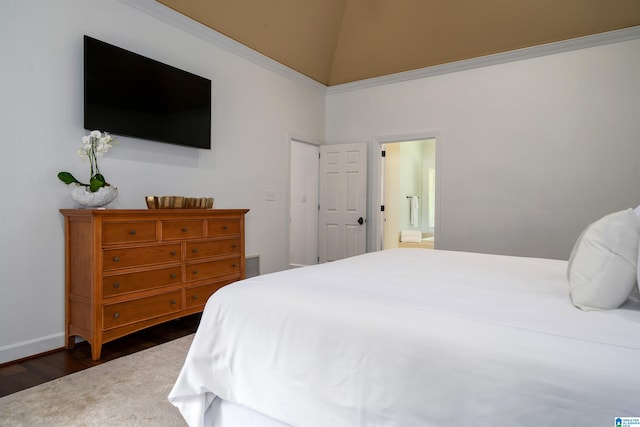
[341, 41]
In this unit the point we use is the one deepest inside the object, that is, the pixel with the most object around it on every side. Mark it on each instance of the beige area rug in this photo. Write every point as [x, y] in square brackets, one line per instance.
[128, 391]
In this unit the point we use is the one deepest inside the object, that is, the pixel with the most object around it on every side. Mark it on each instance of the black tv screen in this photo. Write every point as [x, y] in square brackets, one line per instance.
[131, 95]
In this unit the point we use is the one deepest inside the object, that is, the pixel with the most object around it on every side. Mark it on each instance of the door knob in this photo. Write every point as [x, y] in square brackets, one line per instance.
[360, 221]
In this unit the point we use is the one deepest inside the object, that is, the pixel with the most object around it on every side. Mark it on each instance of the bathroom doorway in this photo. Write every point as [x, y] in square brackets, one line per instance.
[409, 194]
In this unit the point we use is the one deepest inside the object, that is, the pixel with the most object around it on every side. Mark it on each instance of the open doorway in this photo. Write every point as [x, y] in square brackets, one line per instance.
[303, 204]
[409, 194]
[327, 202]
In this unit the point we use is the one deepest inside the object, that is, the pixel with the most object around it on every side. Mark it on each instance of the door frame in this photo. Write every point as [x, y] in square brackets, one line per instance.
[377, 162]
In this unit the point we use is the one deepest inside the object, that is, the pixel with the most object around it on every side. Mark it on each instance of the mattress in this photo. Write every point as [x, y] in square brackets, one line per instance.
[413, 337]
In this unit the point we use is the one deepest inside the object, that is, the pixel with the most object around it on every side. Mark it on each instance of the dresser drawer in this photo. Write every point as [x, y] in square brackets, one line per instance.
[205, 270]
[222, 227]
[131, 282]
[144, 255]
[182, 229]
[140, 309]
[198, 295]
[196, 250]
[129, 232]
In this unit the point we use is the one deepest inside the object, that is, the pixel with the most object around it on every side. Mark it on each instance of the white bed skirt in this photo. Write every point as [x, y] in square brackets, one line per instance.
[229, 414]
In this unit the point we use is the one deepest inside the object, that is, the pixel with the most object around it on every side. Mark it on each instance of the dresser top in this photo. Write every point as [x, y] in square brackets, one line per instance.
[155, 213]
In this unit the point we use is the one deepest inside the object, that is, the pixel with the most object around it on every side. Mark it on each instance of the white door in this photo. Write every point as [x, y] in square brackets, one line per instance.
[343, 201]
[303, 204]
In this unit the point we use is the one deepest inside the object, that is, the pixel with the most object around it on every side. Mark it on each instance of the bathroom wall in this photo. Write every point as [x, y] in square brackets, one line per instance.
[428, 200]
[411, 179]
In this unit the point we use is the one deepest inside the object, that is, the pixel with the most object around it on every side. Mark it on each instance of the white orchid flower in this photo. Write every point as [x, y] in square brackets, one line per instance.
[102, 149]
[94, 145]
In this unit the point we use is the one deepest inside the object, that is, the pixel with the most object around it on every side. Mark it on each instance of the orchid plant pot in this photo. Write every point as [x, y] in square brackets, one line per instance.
[84, 197]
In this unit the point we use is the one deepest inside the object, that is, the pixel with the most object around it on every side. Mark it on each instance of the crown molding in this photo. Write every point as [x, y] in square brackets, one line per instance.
[601, 39]
[188, 25]
[171, 17]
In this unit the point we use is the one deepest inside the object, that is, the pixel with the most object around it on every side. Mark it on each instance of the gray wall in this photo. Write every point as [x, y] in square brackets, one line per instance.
[530, 151]
[41, 128]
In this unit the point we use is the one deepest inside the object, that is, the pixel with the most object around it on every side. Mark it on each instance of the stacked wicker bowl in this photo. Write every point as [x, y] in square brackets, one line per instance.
[179, 202]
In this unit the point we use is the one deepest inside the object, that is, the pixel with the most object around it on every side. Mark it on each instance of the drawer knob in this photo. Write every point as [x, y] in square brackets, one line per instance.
[195, 297]
[116, 285]
[116, 259]
[185, 229]
[173, 302]
[224, 227]
[173, 253]
[234, 265]
[174, 275]
[194, 272]
[234, 246]
[195, 251]
[116, 315]
[132, 232]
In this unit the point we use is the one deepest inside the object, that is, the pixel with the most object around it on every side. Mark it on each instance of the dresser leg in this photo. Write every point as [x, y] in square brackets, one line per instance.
[71, 342]
[96, 349]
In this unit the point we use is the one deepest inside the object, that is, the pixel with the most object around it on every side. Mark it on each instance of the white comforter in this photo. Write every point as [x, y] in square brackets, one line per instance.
[414, 337]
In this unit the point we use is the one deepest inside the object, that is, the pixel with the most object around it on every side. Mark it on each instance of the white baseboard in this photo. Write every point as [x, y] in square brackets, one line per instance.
[32, 347]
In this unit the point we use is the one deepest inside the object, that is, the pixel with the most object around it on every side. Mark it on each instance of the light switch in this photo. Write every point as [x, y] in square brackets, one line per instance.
[270, 195]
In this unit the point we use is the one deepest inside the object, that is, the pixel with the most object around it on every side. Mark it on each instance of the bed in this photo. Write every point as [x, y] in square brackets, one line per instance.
[411, 337]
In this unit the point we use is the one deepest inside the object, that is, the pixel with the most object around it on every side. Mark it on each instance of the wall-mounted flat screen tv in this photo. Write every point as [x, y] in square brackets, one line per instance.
[132, 95]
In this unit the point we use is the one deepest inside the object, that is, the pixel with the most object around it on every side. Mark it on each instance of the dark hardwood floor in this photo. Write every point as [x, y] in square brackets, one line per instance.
[26, 373]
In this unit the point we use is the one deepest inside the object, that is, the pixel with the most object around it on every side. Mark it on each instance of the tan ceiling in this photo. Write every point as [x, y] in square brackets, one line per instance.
[341, 41]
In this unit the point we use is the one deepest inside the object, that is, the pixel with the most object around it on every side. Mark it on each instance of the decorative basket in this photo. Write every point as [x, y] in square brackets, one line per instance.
[179, 202]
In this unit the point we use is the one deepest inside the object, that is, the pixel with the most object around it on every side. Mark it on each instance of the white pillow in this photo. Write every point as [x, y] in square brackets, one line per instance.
[603, 267]
[635, 293]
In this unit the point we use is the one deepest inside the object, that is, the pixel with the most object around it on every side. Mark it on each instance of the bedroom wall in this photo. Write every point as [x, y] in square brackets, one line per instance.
[255, 111]
[531, 151]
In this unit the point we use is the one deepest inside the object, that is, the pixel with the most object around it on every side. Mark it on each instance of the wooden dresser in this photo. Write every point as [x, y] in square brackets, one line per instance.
[130, 269]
